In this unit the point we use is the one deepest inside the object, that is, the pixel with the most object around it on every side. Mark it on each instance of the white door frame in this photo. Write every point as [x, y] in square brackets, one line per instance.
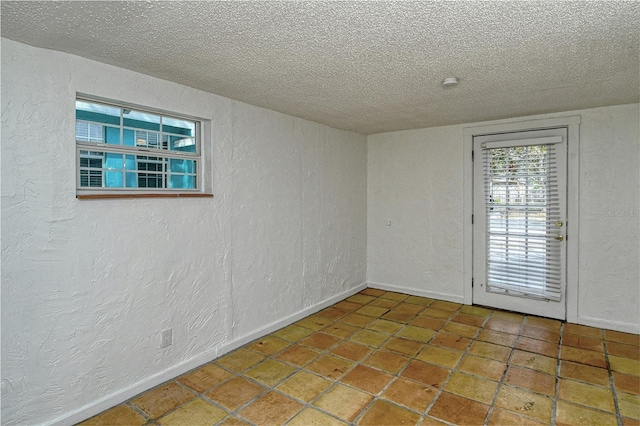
[572, 123]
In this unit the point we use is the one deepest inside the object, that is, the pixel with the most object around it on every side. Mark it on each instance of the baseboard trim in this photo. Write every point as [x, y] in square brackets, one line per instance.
[609, 325]
[415, 292]
[122, 395]
[243, 340]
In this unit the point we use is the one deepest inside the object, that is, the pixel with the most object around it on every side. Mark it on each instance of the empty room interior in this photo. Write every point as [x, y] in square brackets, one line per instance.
[319, 213]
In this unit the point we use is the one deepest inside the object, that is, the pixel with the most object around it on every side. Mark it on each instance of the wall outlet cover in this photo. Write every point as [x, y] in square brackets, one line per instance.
[167, 338]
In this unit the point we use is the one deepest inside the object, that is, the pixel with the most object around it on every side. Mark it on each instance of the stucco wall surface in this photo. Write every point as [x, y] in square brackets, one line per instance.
[415, 180]
[609, 257]
[87, 286]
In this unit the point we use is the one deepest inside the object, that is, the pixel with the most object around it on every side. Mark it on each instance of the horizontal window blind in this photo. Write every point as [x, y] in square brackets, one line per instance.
[523, 211]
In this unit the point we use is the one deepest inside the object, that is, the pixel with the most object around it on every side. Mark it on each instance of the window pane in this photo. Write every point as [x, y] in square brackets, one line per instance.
[151, 164]
[92, 153]
[91, 169]
[131, 178]
[182, 173]
[141, 120]
[114, 173]
[89, 132]
[137, 144]
[112, 135]
[89, 162]
[91, 178]
[182, 181]
[182, 166]
[150, 180]
[129, 137]
[98, 113]
[180, 143]
[114, 162]
[91, 159]
[178, 127]
[148, 139]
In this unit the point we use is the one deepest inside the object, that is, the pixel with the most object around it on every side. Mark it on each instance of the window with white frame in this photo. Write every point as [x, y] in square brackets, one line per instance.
[124, 150]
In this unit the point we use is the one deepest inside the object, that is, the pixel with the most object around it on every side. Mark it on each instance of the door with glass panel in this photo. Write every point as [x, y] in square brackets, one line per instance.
[519, 235]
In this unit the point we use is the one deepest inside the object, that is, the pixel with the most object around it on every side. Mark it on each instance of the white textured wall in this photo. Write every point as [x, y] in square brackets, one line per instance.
[415, 180]
[88, 285]
[609, 258]
[299, 219]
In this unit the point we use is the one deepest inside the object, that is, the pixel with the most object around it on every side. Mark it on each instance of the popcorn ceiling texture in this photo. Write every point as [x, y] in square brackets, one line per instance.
[87, 286]
[369, 67]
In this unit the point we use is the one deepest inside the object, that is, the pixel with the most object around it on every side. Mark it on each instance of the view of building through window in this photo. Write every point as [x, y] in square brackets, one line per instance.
[120, 148]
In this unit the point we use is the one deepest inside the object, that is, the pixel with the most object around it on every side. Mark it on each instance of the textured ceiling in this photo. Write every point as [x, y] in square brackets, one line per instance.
[369, 67]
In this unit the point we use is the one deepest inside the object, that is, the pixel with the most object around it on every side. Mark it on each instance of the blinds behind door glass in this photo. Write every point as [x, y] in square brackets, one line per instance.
[523, 208]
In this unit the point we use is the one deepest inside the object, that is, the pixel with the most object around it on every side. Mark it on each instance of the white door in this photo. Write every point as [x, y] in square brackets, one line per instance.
[519, 202]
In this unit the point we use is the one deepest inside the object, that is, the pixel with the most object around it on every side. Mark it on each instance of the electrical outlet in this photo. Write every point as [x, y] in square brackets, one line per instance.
[167, 338]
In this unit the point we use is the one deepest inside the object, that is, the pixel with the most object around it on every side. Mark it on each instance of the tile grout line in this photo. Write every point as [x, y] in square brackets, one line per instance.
[508, 364]
[556, 389]
[236, 413]
[397, 375]
[612, 385]
[464, 354]
[196, 395]
[506, 369]
[230, 413]
[241, 374]
[302, 368]
[585, 382]
[139, 411]
[337, 381]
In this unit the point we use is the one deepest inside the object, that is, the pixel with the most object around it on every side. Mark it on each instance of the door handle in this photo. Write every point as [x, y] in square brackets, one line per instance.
[558, 237]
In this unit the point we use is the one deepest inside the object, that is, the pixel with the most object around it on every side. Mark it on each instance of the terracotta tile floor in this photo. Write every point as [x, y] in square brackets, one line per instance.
[385, 358]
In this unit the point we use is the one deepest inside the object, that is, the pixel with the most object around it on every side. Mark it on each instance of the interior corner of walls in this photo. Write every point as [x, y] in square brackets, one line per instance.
[417, 292]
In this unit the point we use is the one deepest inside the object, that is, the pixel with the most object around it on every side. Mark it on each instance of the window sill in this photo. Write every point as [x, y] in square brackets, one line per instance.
[168, 195]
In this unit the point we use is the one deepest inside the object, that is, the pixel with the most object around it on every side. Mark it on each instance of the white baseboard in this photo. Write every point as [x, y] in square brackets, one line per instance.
[276, 325]
[416, 292]
[122, 395]
[609, 325]
[592, 322]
